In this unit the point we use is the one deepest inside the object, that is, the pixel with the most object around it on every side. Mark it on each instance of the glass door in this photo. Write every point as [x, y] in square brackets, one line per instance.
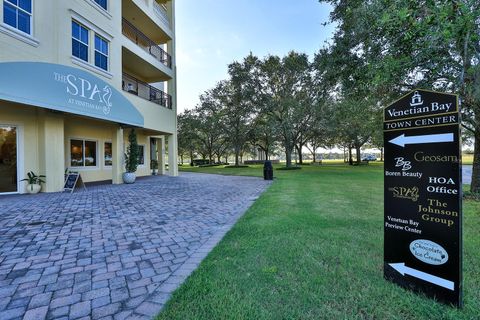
[8, 159]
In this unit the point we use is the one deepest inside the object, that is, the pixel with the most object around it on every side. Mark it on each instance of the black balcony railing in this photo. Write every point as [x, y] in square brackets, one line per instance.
[144, 42]
[146, 91]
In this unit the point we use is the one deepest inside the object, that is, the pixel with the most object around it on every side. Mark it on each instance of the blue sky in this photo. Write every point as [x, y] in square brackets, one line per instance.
[213, 33]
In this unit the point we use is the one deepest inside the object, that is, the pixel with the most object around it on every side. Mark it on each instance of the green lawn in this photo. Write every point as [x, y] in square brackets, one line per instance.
[311, 247]
[467, 158]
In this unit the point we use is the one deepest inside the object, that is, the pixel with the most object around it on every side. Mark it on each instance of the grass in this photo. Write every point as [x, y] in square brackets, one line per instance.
[252, 170]
[311, 247]
[467, 158]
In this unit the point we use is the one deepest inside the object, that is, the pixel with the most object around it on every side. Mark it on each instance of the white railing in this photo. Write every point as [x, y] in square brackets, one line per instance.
[161, 12]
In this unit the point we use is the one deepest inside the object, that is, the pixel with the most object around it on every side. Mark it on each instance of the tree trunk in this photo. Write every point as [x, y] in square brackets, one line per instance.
[191, 158]
[237, 155]
[475, 185]
[299, 152]
[288, 156]
[350, 157]
[181, 158]
[218, 158]
[359, 157]
[226, 159]
[313, 154]
[381, 154]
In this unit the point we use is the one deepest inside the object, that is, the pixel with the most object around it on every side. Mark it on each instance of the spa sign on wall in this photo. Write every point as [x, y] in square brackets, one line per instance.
[423, 189]
[66, 89]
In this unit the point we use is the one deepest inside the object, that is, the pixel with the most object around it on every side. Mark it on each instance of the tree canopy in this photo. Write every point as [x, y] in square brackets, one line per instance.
[380, 50]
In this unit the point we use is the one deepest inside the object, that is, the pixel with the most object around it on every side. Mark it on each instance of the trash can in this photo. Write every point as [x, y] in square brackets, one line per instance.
[267, 170]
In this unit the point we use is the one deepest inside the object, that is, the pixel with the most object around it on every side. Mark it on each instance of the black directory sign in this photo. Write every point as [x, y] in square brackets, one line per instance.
[423, 190]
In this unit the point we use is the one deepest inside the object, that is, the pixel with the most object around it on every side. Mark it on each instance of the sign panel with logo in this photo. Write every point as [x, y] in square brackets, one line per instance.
[423, 189]
[67, 89]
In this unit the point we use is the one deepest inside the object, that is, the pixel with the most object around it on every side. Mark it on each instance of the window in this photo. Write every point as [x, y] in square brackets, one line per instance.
[76, 153]
[141, 155]
[90, 153]
[83, 153]
[81, 48]
[79, 41]
[18, 14]
[108, 154]
[101, 52]
[102, 3]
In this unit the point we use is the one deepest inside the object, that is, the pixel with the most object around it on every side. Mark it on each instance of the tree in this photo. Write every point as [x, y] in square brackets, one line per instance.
[285, 84]
[222, 148]
[323, 131]
[377, 136]
[264, 133]
[315, 142]
[355, 124]
[187, 136]
[432, 44]
[207, 117]
[344, 73]
[238, 97]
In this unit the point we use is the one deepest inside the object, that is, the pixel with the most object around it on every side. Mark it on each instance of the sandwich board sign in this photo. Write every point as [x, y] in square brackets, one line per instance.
[72, 179]
[422, 192]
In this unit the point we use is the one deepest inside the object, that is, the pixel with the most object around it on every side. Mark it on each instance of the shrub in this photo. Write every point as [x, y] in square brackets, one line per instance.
[468, 195]
[200, 162]
[233, 166]
[133, 152]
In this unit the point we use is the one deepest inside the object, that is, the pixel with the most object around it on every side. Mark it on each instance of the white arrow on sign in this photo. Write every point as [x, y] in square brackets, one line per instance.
[403, 270]
[429, 138]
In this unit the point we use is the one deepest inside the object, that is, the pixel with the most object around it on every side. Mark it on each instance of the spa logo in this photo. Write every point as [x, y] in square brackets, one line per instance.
[92, 96]
[410, 193]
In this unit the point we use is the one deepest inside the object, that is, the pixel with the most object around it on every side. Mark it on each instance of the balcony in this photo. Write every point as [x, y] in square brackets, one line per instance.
[161, 11]
[151, 17]
[144, 42]
[145, 91]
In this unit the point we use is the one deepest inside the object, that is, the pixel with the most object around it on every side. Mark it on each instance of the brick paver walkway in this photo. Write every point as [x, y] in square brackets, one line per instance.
[112, 252]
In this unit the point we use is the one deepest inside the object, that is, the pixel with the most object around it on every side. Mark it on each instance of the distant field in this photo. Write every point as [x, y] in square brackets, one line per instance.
[467, 159]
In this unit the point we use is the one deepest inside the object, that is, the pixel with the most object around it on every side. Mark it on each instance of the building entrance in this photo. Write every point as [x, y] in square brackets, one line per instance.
[8, 159]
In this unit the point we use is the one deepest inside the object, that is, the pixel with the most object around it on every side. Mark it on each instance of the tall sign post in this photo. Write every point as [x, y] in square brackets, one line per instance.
[423, 194]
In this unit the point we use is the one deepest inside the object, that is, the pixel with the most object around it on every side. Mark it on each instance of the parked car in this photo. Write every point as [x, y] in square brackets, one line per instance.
[369, 157]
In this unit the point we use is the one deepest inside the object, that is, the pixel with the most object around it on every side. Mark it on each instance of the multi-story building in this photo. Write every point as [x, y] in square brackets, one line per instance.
[75, 77]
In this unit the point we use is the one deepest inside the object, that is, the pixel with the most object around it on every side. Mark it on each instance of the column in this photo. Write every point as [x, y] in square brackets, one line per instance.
[161, 155]
[52, 144]
[171, 14]
[117, 156]
[172, 90]
[172, 155]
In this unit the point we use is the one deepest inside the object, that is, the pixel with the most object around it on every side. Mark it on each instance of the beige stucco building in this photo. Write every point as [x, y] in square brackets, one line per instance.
[75, 77]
